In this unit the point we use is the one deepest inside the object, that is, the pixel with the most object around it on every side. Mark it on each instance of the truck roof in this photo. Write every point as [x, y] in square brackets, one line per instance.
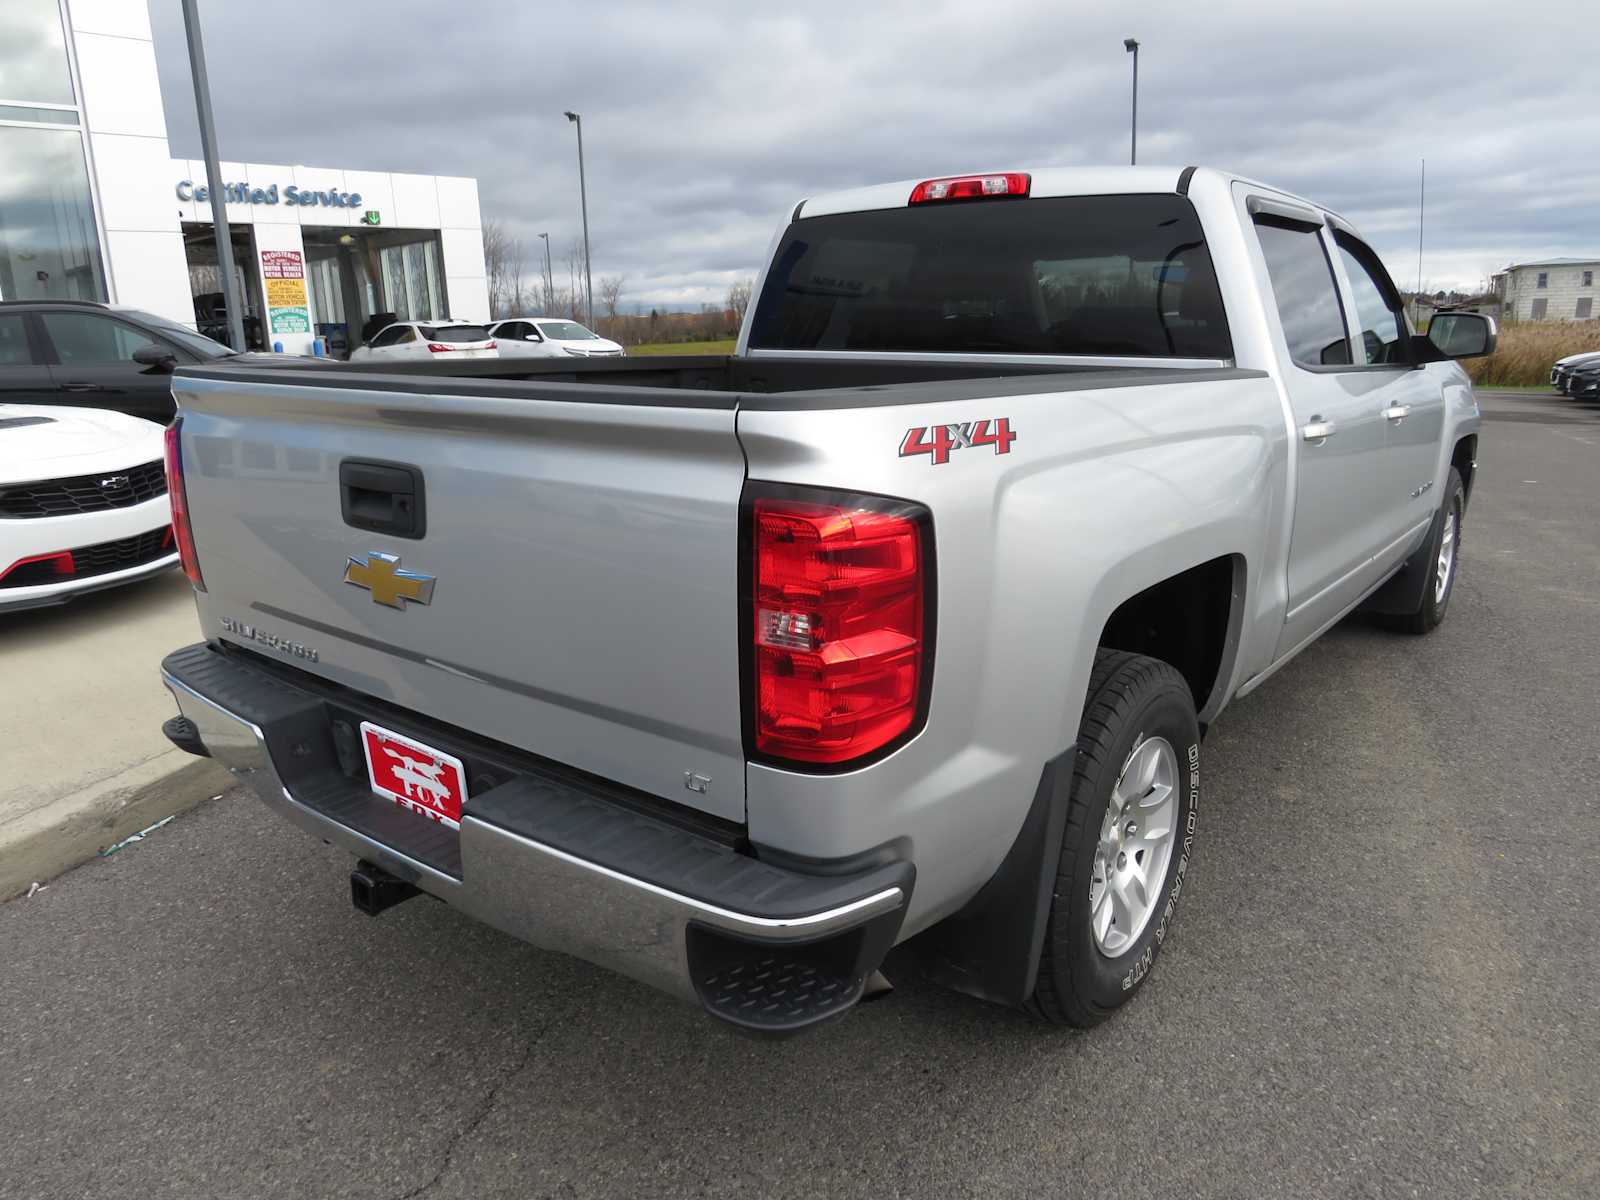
[1047, 181]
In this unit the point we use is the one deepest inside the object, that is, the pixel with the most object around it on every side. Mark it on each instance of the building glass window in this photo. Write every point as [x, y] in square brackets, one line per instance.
[327, 292]
[417, 284]
[1544, 279]
[435, 286]
[411, 280]
[33, 53]
[49, 246]
[47, 116]
[1588, 279]
[1540, 307]
[1585, 309]
[394, 281]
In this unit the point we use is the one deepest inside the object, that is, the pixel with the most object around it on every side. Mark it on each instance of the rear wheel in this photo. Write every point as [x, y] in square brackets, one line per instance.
[1444, 558]
[1125, 849]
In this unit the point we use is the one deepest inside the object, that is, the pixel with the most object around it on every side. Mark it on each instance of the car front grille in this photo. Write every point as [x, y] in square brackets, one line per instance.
[84, 493]
[123, 553]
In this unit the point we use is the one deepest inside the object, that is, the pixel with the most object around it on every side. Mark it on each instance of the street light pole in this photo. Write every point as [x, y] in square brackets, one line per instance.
[583, 195]
[218, 189]
[1132, 47]
[549, 278]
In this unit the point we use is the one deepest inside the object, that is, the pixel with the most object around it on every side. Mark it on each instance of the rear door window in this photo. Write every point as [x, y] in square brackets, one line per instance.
[90, 339]
[1305, 292]
[1078, 275]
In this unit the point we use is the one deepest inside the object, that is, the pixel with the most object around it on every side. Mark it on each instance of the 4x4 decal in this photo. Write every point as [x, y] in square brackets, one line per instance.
[996, 433]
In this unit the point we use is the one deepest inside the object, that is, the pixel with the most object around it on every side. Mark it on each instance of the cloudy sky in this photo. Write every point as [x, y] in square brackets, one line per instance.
[703, 124]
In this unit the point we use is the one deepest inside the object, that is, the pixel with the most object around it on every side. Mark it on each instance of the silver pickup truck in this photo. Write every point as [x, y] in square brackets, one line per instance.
[902, 624]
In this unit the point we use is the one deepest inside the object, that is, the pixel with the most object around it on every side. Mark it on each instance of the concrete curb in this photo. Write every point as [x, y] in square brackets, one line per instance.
[73, 829]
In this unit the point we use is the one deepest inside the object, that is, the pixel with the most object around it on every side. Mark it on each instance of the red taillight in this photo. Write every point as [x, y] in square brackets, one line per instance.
[493, 345]
[971, 187]
[439, 348]
[841, 634]
[180, 506]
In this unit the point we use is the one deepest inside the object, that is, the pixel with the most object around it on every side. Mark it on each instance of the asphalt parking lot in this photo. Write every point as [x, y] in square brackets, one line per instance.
[1382, 981]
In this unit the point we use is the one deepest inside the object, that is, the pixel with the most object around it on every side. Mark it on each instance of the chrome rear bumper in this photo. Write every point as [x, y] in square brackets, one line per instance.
[698, 918]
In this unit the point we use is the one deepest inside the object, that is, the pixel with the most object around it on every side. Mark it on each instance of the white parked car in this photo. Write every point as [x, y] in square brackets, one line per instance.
[427, 340]
[519, 337]
[550, 337]
[83, 503]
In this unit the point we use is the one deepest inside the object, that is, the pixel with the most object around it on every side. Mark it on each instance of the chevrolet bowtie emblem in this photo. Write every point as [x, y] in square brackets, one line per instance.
[381, 575]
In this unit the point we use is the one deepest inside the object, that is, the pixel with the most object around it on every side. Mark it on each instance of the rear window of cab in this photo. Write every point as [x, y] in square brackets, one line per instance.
[1077, 275]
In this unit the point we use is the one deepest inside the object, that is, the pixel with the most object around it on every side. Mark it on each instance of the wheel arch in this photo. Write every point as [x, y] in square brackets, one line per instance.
[1464, 458]
[1191, 619]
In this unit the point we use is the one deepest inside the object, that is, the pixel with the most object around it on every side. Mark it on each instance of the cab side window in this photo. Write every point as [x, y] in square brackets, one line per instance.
[1306, 294]
[1381, 340]
[387, 338]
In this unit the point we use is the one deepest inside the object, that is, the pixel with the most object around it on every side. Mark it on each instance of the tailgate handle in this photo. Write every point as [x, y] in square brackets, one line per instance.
[384, 497]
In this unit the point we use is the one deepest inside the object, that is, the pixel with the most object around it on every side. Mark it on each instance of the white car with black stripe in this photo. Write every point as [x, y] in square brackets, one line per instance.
[83, 503]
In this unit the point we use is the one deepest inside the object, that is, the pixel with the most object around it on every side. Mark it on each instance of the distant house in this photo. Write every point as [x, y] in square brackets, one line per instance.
[1554, 289]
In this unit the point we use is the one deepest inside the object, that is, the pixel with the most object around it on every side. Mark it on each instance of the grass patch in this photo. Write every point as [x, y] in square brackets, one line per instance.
[1527, 349]
[717, 347]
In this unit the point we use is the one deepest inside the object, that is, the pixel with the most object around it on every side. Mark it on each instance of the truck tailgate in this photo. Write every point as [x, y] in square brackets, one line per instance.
[583, 602]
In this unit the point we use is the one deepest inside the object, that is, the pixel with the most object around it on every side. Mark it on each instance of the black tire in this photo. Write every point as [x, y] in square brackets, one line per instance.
[1132, 699]
[1434, 602]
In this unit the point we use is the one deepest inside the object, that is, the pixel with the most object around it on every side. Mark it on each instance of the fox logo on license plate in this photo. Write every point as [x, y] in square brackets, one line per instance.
[426, 781]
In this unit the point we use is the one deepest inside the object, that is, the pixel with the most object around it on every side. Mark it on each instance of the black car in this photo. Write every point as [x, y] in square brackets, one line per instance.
[1583, 381]
[95, 356]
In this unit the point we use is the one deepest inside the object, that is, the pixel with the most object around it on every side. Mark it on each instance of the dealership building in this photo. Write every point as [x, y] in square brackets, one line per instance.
[93, 205]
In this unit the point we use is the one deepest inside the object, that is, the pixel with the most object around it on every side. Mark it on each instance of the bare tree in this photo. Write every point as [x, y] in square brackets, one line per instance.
[496, 245]
[516, 264]
[505, 261]
[611, 294]
[574, 307]
[739, 299]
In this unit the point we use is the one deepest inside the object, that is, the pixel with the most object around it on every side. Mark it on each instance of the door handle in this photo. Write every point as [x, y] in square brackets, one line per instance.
[1397, 412]
[383, 497]
[81, 387]
[1317, 429]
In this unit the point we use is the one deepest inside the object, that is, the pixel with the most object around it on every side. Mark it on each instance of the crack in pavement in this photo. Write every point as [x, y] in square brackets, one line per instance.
[485, 1107]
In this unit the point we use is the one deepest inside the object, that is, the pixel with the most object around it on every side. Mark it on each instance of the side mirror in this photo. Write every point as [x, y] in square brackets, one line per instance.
[1459, 335]
[534, 337]
[156, 357]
